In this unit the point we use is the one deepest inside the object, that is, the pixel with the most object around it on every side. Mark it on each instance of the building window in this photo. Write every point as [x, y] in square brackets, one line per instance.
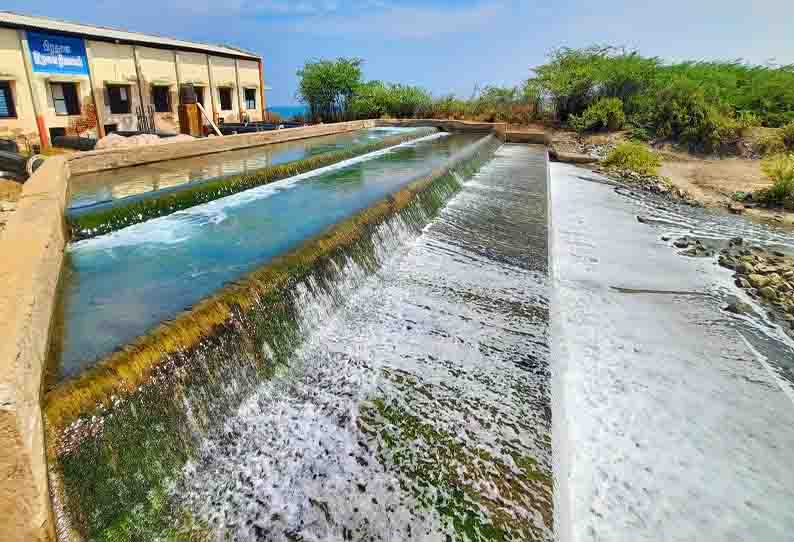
[7, 108]
[250, 98]
[199, 95]
[161, 96]
[119, 99]
[57, 132]
[225, 94]
[64, 97]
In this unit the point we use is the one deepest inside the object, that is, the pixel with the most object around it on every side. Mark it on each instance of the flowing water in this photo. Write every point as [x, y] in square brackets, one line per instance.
[104, 187]
[674, 420]
[122, 284]
[418, 403]
[421, 409]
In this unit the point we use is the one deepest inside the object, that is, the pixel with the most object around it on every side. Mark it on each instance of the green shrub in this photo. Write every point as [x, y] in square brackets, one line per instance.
[634, 157]
[780, 170]
[681, 112]
[771, 143]
[606, 113]
[787, 135]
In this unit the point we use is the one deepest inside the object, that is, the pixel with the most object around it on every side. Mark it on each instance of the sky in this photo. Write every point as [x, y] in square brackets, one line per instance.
[444, 45]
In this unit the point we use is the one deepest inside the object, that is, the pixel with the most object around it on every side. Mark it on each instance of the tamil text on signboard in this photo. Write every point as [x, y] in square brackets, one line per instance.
[52, 53]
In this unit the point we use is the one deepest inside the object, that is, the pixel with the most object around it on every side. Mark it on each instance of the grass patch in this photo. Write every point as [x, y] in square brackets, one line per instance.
[780, 170]
[102, 221]
[635, 157]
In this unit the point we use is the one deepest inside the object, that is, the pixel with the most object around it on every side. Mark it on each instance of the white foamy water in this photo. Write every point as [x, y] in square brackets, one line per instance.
[672, 422]
[419, 410]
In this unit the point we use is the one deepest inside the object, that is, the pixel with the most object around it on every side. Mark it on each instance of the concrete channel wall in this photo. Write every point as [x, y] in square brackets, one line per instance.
[31, 256]
[31, 259]
[92, 161]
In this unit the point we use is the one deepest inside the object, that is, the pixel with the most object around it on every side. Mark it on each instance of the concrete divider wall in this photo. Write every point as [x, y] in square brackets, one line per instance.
[31, 256]
[91, 161]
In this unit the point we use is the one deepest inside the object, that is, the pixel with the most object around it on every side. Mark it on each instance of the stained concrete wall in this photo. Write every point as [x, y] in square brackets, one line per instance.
[12, 70]
[32, 255]
[114, 64]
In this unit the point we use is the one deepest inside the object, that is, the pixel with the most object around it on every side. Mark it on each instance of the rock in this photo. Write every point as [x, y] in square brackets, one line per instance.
[665, 238]
[758, 281]
[726, 261]
[774, 280]
[768, 293]
[745, 268]
[736, 208]
[642, 220]
[742, 282]
[736, 242]
[683, 242]
[738, 307]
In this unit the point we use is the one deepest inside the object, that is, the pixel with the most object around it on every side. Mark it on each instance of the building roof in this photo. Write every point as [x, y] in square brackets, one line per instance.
[102, 33]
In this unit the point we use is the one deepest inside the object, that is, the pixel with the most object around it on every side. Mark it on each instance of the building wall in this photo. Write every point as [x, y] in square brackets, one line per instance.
[114, 63]
[158, 67]
[12, 69]
[249, 78]
[193, 70]
[42, 86]
[224, 76]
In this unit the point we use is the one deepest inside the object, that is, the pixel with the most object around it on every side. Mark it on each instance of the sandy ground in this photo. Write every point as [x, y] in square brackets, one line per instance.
[713, 181]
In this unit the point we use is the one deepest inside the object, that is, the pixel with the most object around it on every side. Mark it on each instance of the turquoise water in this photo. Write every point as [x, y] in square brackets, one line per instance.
[289, 111]
[122, 284]
[104, 188]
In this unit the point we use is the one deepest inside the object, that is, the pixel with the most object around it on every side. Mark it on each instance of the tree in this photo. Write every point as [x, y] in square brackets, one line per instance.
[328, 87]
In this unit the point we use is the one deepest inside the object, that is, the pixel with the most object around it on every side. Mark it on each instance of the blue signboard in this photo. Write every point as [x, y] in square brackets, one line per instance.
[51, 53]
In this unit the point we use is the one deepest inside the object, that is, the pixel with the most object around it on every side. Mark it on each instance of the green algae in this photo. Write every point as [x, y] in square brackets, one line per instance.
[444, 473]
[118, 433]
[89, 224]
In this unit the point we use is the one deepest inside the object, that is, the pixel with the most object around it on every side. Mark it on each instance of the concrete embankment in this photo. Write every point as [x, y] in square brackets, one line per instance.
[30, 265]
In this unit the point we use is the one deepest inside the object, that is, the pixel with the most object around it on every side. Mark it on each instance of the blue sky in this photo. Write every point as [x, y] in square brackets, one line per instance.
[445, 45]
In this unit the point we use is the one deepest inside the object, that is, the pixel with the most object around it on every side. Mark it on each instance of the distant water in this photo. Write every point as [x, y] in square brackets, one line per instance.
[289, 111]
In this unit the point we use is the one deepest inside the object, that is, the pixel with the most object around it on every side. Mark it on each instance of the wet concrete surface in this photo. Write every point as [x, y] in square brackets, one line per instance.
[674, 420]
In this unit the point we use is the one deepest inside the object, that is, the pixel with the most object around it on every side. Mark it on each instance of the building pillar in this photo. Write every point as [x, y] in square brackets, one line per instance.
[137, 60]
[261, 91]
[99, 105]
[240, 91]
[213, 91]
[38, 107]
[178, 67]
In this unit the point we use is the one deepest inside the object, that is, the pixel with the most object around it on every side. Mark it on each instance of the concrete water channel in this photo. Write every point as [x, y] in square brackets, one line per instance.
[451, 339]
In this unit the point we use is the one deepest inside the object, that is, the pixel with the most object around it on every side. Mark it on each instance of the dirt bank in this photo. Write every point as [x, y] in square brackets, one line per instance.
[713, 181]
[709, 181]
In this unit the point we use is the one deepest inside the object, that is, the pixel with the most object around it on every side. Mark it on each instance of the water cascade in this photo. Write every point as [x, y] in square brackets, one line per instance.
[310, 373]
